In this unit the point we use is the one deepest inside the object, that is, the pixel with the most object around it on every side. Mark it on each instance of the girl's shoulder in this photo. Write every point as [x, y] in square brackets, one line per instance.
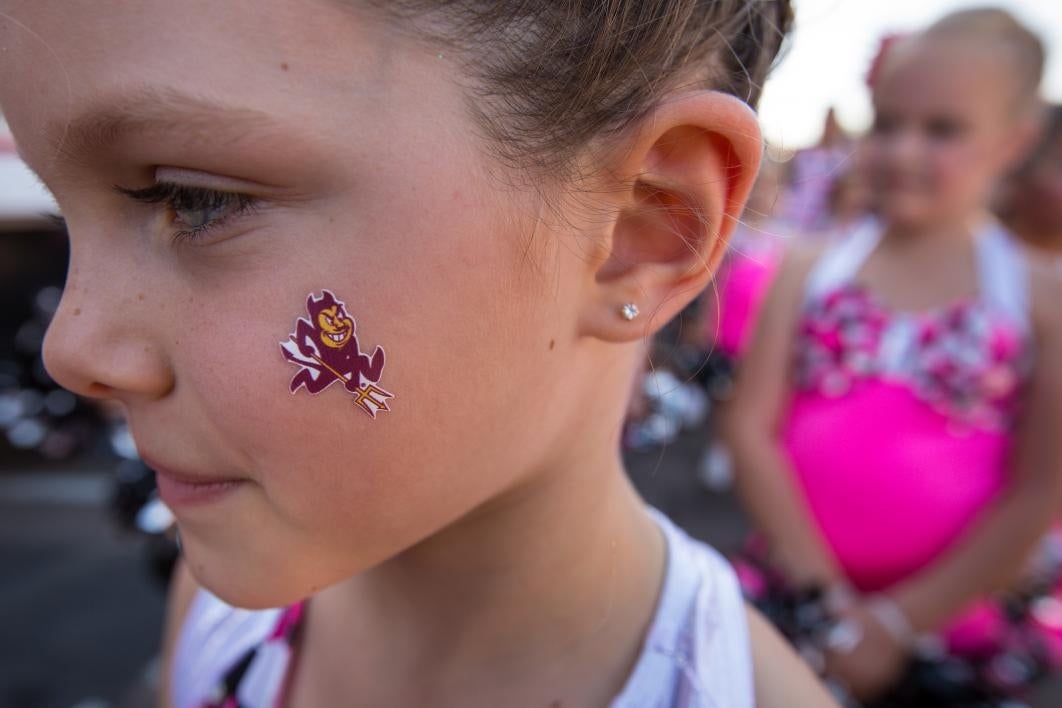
[705, 647]
[793, 279]
[696, 651]
[782, 679]
[792, 264]
[708, 644]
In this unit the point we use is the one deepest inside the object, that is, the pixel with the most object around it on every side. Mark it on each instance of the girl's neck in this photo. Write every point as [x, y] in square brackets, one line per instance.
[561, 573]
[919, 268]
[938, 240]
[944, 233]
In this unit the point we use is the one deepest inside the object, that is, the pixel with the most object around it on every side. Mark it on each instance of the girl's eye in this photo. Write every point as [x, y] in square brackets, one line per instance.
[883, 125]
[943, 128]
[194, 211]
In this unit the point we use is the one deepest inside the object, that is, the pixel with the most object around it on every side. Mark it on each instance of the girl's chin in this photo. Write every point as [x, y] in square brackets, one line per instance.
[262, 595]
[909, 213]
[249, 581]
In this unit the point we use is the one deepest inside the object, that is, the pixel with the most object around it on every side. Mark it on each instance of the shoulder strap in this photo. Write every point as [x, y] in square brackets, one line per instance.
[842, 260]
[215, 640]
[697, 649]
[1003, 274]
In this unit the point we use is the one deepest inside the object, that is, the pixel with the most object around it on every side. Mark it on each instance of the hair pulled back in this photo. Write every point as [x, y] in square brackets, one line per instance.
[551, 76]
[997, 29]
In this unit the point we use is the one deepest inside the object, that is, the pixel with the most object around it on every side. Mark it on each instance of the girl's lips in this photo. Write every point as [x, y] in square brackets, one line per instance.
[180, 490]
[177, 494]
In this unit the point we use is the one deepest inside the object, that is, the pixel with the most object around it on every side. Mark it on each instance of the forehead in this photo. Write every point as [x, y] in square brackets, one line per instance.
[63, 59]
[941, 76]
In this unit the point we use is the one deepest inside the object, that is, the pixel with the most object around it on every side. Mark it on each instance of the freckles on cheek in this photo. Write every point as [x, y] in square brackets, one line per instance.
[221, 339]
[234, 374]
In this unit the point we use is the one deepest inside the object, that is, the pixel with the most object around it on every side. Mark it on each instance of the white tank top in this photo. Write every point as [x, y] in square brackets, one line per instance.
[696, 653]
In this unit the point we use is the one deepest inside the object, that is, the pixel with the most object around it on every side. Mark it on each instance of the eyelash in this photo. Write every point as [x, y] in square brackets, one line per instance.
[179, 197]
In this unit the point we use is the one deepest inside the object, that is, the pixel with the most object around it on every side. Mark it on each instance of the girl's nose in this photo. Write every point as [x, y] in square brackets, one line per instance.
[906, 145]
[103, 344]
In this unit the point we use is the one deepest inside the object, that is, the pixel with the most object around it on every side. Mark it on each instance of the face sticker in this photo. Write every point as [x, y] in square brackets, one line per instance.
[326, 351]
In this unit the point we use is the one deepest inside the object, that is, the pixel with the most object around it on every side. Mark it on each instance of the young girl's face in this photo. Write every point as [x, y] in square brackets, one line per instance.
[943, 131]
[356, 169]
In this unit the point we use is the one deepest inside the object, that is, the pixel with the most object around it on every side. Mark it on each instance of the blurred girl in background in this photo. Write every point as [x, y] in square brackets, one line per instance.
[895, 422]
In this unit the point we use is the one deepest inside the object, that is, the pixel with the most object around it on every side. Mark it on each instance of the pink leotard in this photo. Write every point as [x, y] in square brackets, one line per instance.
[900, 425]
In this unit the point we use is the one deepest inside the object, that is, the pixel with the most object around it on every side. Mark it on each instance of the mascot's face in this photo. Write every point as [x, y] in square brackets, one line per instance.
[336, 326]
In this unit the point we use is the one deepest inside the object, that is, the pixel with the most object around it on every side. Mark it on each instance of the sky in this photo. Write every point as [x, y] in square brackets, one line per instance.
[834, 42]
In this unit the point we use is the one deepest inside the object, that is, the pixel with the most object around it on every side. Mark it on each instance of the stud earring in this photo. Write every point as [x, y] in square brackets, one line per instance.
[629, 311]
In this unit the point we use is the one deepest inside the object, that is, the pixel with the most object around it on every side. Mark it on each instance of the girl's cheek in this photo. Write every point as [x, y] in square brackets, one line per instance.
[877, 160]
[871, 155]
[232, 360]
[950, 167]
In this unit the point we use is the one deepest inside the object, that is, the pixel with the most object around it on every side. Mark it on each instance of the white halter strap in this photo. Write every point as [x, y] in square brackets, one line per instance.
[842, 260]
[1001, 268]
[1004, 274]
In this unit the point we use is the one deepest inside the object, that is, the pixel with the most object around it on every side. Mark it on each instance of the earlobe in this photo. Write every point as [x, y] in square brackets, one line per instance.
[1022, 139]
[687, 170]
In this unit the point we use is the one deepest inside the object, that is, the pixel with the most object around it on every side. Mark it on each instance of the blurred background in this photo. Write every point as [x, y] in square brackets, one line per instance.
[85, 548]
[834, 44]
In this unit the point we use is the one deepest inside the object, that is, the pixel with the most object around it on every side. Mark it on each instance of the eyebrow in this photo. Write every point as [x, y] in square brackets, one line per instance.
[97, 127]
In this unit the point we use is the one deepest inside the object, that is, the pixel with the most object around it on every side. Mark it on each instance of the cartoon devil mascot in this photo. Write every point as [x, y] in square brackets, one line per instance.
[326, 351]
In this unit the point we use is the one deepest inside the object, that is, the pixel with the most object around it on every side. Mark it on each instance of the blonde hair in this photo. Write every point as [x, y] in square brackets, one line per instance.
[998, 29]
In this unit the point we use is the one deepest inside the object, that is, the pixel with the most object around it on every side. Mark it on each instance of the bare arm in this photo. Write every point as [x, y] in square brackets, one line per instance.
[763, 478]
[990, 557]
[183, 588]
[781, 679]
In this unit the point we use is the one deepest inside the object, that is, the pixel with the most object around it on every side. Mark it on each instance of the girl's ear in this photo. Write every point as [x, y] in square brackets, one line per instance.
[1022, 138]
[685, 174]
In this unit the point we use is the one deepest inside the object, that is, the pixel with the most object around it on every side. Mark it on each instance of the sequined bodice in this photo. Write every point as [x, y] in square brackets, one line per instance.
[967, 360]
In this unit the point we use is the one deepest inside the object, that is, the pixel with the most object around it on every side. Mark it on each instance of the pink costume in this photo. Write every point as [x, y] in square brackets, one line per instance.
[901, 425]
[741, 288]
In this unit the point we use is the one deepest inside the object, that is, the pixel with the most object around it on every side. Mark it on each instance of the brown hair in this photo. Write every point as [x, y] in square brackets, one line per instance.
[551, 76]
[1013, 197]
[999, 29]
[1050, 136]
